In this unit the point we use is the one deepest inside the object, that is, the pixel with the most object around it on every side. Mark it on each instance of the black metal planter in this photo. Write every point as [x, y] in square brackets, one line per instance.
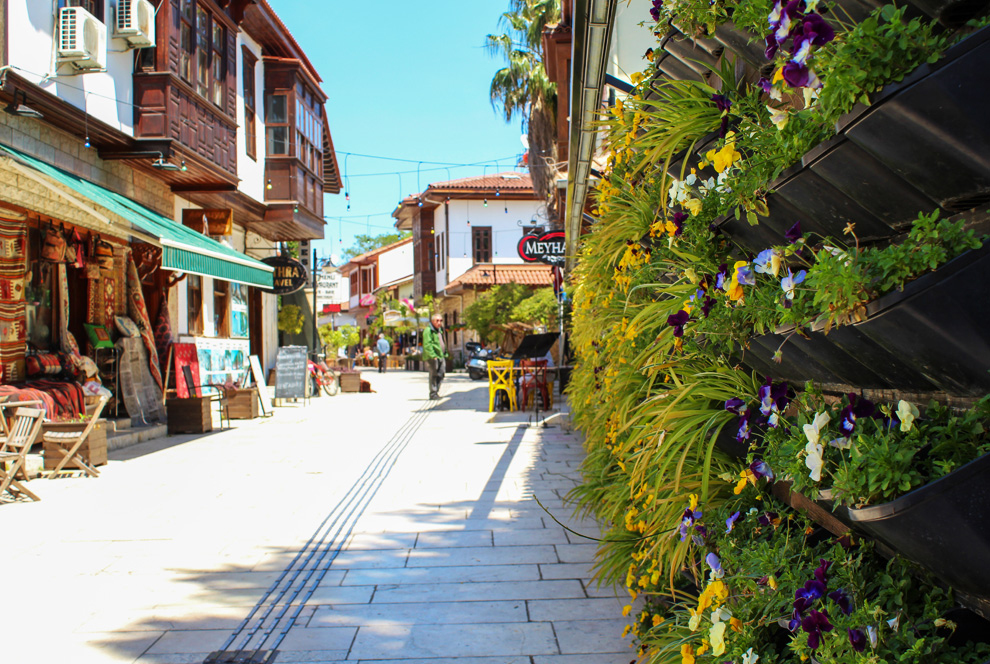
[932, 131]
[939, 325]
[944, 526]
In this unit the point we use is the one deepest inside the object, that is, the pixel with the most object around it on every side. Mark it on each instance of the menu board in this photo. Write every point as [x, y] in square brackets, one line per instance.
[291, 372]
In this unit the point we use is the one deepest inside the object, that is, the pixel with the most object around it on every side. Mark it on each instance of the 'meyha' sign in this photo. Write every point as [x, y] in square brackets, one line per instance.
[547, 248]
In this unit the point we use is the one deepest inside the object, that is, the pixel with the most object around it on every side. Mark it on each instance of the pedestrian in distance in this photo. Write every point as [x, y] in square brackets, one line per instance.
[383, 347]
[434, 353]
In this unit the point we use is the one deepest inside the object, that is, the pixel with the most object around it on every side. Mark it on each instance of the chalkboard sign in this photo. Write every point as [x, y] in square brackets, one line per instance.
[291, 372]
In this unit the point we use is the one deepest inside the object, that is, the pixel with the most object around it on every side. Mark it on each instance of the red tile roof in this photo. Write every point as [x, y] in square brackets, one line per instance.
[488, 274]
[509, 181]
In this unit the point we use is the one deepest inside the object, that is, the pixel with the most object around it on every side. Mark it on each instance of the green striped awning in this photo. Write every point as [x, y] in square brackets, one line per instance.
[183, 249]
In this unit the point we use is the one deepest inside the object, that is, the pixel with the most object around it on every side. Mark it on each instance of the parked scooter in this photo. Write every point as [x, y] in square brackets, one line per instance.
[477, 363]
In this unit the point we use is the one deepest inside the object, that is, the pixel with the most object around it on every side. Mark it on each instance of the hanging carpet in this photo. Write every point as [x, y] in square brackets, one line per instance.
[138, 312]
[13, 325]
[141, 395]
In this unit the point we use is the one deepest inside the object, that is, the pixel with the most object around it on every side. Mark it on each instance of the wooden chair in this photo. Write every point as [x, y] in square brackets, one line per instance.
[216, 394]
[69, 444]
[17, 443]
[500, 377]
[533, 379]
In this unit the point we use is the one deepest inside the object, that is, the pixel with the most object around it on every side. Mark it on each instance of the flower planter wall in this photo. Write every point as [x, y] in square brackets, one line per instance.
[944, 526]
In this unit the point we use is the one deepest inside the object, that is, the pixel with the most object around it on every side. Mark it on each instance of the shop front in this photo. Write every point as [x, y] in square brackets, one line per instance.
[85, 274]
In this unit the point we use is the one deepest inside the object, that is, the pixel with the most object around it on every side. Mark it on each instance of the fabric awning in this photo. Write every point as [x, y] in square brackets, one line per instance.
[183, 248]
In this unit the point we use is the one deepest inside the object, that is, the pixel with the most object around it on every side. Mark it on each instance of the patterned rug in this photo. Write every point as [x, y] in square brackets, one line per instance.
[13, 325]
[142, 397]
[138, 312]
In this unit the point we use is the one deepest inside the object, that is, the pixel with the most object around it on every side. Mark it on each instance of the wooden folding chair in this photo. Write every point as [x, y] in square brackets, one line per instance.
[20, 437]
[500, 377]
[216, 394]
[69, 444]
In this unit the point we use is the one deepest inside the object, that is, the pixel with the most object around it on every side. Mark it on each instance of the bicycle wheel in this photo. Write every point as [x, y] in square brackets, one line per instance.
[331, 386]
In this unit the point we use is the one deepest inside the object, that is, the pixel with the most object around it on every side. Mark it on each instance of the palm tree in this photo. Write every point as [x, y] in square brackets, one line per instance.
[522, 86]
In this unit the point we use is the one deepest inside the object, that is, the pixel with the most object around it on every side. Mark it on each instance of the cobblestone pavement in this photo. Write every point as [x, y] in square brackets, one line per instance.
[360, 528]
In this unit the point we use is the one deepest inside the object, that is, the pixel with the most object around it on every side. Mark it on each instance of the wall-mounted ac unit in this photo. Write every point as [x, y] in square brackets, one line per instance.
[82, 39]
[135, 23]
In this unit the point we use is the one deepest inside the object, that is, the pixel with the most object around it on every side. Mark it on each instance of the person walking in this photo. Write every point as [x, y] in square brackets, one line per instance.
[383, 347]
[434, 353]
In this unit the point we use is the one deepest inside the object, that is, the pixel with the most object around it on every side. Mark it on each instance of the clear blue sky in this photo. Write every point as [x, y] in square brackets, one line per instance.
[407, 80]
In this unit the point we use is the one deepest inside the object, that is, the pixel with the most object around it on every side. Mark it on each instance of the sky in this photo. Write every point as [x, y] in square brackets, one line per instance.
[406, 80]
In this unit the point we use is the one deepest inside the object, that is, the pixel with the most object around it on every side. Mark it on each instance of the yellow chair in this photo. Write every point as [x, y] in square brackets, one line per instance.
[500, 377]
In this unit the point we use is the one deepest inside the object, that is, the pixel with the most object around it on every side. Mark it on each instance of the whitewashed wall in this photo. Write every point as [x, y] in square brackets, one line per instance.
[106, 95]
[506, 232]
[395, 264]
[251, 171]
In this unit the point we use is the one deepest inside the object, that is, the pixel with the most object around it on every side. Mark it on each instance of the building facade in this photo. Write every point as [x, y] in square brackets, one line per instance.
[184, 138]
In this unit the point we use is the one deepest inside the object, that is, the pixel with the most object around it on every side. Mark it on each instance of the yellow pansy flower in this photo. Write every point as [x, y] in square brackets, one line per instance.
[717, 636]
[687, 654]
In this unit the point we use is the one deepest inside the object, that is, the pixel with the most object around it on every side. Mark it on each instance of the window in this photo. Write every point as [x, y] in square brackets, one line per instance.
[431, 255]
[194, 290]
[250, 128]
[481, 244]
[309, 130]
[277, 124]
[221, 308]
[202, 51]
[94, 7]
[440, 256]
[186, 40]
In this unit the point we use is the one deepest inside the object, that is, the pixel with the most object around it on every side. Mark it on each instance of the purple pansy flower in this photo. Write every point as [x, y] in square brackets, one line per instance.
[745, 275]
[841, 598]
[734, 405]
[731, 521]
[761, 469]
[796, 75]
[706, 306]
[722, 276]
[817, 30]
[805, 597]
[793, 233]
[821, 572]
[772, 46]
[858, 407]
[655, 10]
[795, 621]
[677, 321]
[715, 564]
[678, 219]
[857, 639]
[814, 624]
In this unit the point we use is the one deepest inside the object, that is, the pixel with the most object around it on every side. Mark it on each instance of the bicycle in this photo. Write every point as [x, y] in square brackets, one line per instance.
[323, 379]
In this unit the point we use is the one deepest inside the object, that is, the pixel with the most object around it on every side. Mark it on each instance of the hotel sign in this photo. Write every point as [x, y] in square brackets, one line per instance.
[290, 275]
[547, 248]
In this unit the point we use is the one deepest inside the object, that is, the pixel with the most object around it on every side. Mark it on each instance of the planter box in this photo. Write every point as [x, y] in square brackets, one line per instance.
[350, 382]
[944, 526]
[193, 415]
[94, 448]
[938, 325]
[931, 129]
[243, 404]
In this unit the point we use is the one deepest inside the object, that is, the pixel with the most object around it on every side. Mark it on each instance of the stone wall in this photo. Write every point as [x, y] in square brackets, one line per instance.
[66, 152]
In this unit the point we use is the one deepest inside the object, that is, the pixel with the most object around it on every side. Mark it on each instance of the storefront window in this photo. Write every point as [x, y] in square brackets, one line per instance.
[239, 311]
[194, 288]
[221, 308]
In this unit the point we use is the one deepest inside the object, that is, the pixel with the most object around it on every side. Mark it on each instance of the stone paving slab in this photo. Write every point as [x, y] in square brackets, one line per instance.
[436, 549]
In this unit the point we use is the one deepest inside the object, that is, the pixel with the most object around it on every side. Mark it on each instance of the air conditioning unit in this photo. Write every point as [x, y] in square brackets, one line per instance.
[135, 23]
[82, 39]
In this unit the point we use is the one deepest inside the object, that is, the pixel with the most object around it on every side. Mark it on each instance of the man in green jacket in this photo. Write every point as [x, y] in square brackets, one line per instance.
[434, 352]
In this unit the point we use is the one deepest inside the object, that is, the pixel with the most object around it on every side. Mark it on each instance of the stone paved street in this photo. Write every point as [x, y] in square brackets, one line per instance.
[361, 528]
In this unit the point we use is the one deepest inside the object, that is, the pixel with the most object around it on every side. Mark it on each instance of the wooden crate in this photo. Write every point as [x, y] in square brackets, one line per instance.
[243, 404]
[350, 382]
[193, 415]
[94, 449]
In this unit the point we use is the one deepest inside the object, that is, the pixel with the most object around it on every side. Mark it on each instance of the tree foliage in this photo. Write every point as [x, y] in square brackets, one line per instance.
[365, 243]
[290, 319]
[523, 87]
[509, 303]
[342, 337]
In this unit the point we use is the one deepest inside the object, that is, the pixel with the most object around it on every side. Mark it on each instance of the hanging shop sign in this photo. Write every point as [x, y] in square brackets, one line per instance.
[209, 221]
[289, 276]
[547, 248]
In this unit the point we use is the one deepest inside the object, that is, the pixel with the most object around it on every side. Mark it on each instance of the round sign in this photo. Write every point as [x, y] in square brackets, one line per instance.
[290, 275]
[547, 248]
